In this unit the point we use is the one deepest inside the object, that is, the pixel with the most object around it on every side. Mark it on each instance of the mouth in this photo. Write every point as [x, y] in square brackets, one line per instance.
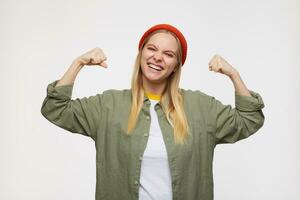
[155, 67]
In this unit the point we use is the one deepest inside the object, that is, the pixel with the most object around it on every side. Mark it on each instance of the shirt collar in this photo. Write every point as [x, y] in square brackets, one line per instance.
[152, 96]
[146, 98]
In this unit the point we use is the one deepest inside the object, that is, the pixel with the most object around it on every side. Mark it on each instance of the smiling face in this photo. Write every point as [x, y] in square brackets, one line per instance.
[159, 59]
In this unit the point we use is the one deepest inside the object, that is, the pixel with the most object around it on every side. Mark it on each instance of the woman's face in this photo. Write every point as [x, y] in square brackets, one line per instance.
[159, 58]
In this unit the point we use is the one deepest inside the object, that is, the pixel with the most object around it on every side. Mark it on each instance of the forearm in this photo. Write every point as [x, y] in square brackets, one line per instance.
[239, 85]
[71, 74]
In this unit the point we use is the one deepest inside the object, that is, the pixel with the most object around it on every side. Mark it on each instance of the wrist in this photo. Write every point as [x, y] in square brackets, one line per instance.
[78, 62]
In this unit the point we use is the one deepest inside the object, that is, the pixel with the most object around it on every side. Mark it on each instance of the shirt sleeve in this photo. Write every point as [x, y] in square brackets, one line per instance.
[234, 124]
[77, 116]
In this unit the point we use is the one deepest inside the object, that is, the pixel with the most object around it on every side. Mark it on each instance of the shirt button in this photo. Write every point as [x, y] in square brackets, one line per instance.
[147, 117]
[136, 182]
[145, 134]
[141, 158]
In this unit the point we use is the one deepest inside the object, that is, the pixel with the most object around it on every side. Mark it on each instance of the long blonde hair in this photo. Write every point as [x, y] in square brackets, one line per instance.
[171, 99]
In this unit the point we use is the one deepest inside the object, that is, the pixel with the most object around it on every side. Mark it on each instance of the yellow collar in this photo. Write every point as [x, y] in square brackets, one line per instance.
[152, 96]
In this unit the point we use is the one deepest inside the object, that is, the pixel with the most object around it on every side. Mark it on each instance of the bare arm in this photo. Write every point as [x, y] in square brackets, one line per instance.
[239, 84]
[71, 74]
[220, 65]
[92, 57]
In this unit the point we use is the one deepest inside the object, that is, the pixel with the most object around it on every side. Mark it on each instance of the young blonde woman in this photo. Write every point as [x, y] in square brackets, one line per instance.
[154, 140]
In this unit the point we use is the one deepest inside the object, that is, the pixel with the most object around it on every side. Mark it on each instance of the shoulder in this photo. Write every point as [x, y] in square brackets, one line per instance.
[116, 96]
[195, 99]
[189, 94]
[117, 93]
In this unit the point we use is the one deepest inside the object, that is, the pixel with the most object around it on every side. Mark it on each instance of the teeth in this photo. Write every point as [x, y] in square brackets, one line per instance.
[155, 67]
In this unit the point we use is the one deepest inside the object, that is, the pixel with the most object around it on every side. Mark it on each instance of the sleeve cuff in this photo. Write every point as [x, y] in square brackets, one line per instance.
[247, 103]
[60, 92]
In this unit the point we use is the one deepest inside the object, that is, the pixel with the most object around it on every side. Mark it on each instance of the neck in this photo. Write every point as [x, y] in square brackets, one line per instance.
[154, 88]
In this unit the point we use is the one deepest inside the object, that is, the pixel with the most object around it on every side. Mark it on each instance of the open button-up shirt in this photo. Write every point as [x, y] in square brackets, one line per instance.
[104, 117]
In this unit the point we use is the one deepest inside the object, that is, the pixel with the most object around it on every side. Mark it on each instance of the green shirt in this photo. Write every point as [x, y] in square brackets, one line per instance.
[103, 117]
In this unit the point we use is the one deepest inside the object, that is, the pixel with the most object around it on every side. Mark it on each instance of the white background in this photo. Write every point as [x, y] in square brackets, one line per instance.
[40, 39]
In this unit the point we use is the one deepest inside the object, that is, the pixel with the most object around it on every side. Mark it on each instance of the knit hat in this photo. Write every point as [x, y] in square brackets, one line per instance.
[173, 30]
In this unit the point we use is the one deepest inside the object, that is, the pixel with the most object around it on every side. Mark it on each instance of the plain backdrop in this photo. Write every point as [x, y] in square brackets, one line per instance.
[40, 39]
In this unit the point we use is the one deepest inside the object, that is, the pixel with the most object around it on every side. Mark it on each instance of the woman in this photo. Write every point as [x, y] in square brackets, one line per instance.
[155, 140]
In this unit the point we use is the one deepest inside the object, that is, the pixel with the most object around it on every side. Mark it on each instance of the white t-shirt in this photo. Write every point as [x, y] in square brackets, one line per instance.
[155, 180]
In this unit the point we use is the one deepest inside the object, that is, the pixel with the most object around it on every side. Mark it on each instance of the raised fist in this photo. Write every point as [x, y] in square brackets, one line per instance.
[219, 64]
[93, 57]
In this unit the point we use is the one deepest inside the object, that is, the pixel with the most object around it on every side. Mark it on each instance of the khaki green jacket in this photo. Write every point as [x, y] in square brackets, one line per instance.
[103, 117]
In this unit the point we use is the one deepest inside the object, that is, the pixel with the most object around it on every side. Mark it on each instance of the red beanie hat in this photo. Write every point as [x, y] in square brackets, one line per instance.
[173, 30]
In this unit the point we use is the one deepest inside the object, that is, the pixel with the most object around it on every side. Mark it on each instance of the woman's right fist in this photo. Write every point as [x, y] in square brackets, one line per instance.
[93, 57]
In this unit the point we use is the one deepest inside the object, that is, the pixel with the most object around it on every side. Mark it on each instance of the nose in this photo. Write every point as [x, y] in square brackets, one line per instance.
[157, 56]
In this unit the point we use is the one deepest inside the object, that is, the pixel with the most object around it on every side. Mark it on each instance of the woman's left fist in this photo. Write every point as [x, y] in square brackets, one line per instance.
[219, 64]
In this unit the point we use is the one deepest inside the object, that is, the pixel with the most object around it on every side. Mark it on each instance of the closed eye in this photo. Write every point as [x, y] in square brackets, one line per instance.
[169, 55]
[150, 48]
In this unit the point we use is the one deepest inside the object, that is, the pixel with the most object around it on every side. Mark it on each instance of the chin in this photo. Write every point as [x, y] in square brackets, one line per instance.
[152, 78]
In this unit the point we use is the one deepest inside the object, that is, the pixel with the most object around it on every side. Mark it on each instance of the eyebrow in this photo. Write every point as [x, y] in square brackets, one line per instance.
[165, 50]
